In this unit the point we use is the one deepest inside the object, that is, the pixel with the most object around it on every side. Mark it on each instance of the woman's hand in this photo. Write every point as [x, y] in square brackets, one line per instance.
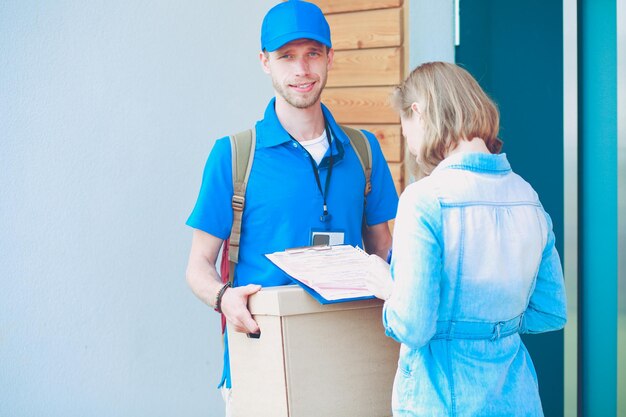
[378, 278]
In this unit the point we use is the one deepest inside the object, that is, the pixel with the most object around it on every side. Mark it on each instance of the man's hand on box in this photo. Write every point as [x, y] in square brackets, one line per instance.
[235, 308]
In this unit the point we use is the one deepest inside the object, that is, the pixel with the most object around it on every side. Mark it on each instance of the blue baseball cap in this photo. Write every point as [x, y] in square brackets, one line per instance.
[291, 20]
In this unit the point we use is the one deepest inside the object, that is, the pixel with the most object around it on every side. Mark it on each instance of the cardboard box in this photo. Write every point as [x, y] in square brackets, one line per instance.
[312, 359]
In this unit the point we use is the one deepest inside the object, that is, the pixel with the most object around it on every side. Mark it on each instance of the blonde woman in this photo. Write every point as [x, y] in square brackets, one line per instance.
[474, 262]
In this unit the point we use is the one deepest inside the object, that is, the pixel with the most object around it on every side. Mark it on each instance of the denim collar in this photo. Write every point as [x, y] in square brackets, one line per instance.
[271, 133]
[476, 162]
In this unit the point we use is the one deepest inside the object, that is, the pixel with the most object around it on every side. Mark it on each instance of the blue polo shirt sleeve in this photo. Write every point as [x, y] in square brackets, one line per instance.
[382, 201]
[213, 211]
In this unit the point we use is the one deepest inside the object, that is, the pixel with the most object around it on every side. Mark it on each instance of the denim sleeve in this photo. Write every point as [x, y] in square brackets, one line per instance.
[547, 308]
[213, 211]
[382, 201]
[410, 314]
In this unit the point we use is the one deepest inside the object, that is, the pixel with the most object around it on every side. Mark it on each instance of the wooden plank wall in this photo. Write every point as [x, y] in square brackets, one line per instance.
[370, 55]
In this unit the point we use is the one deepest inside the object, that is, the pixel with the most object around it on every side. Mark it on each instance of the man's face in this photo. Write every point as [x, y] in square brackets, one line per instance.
[299, 71]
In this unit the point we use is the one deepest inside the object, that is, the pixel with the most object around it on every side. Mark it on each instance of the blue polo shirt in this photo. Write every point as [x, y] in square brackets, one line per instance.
[283, 201]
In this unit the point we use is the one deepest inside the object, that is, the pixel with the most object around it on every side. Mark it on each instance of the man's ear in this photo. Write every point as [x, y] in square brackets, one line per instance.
[265, 61]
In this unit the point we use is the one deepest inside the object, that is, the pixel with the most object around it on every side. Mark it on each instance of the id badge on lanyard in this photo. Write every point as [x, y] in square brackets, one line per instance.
[327, 237]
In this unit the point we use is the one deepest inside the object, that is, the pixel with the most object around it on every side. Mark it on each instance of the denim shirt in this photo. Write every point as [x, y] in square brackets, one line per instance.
[474, 264]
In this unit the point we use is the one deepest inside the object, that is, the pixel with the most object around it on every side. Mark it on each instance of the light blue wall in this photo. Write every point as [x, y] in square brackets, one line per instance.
[107, 113]
[431, 37]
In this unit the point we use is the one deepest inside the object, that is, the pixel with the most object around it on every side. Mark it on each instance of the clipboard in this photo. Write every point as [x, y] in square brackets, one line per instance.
[330, 274]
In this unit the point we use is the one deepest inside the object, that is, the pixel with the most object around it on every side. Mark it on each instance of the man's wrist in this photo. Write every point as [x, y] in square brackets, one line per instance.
[219, 296]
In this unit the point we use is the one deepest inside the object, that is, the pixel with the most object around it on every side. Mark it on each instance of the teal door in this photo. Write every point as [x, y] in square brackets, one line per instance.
[515, 50]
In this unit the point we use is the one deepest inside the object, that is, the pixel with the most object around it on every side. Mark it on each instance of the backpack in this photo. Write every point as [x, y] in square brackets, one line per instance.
[242, 147]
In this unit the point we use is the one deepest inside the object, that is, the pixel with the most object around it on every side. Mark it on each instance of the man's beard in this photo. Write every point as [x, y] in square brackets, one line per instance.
[300, 101]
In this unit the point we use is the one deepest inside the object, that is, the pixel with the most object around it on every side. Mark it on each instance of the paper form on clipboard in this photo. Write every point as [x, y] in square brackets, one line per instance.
[331, 274]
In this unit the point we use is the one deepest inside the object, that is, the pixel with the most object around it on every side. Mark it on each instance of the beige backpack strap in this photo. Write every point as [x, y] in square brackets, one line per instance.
[242, 147]
[364, 151]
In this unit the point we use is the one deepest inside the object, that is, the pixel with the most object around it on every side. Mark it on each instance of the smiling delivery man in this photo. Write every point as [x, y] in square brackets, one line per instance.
[306, 178]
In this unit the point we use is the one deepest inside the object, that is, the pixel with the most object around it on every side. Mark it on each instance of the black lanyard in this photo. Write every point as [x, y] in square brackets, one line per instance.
[325, 214]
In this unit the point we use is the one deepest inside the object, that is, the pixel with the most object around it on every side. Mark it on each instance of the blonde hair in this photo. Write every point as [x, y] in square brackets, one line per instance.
[454, 107]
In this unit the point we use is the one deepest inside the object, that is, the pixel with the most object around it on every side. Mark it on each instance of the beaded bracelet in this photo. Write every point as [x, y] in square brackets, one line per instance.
[218, 297]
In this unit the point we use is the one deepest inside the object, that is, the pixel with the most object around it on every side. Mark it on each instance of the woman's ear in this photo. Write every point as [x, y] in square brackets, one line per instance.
[416, 109]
